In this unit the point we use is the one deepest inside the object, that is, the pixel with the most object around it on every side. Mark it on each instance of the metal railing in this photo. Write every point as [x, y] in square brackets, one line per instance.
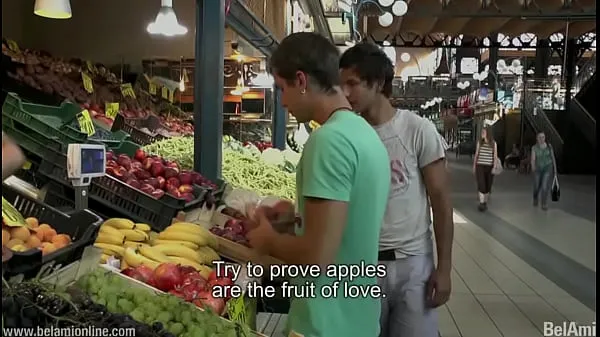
[583, 121]
[533, 111]
[585, 73]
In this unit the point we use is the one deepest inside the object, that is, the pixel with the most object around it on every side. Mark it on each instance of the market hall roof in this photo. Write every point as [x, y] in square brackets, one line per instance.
[478, 18]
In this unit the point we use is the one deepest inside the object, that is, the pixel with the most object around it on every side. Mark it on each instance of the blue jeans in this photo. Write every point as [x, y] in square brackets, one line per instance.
[542, 178]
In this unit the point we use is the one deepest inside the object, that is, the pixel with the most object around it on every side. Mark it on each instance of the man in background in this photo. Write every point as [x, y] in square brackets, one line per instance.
[342, 182]
[414, 286]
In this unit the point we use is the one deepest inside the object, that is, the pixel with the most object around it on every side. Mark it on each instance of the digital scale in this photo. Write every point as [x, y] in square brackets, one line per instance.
[84, 162]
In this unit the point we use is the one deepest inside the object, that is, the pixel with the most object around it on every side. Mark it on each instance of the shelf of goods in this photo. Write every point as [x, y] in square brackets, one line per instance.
[164, 284]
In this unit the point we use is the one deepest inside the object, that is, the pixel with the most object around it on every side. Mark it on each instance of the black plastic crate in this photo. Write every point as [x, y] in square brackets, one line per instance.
[124, 200]
[133, 126]
[82, 226]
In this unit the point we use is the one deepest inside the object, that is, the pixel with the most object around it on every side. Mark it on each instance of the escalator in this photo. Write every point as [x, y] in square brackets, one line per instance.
[582, 109]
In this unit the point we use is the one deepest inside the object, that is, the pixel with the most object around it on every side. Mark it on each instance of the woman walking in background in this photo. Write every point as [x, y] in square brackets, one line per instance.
[543, 165]
[486, 154]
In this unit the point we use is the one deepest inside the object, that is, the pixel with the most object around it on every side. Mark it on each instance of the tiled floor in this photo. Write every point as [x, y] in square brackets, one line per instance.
[495, 291]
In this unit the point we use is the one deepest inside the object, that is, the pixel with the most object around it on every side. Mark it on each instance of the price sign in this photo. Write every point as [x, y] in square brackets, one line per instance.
[112, 110]
[90, 66]
[171, 95]
[12, 45]
[11, 216]
[127, 90]
[152, 88]
[236, 310]
[165, 93]
[85, 123]
[87, 82]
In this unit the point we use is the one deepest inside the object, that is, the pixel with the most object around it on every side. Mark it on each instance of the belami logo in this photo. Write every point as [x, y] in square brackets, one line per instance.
[569, 329]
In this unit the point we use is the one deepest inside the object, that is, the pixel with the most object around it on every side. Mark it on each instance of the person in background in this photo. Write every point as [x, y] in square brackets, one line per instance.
[12, 157]
[342, 182]
[513, 158]
[486, 155]
[414, 286]
[543, 165]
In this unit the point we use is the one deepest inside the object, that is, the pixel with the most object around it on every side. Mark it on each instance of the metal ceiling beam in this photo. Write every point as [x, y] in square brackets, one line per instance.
[250, 28]
[315, 10]
[571, 15]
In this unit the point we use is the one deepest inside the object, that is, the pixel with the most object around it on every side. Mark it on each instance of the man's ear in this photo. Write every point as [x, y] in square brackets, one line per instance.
[301, 80]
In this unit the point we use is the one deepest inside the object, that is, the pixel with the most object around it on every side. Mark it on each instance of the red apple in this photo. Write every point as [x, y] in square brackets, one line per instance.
[188, 197]
[110, 155]
[146, 188]
[110, 170]
[197, 178]
[207, 301]
[186, 189]
[171, 172]
[137, 165]
[174, 182]
[177, 293]
[124, 161]
[120, 172]
[167, 276]
[157, 193]
[133, 183]
[147, 163]
[143, 175]
[152, 182]
[161, 182]
[111, 163]
[185, 178]
[140, 155]
[157, 169]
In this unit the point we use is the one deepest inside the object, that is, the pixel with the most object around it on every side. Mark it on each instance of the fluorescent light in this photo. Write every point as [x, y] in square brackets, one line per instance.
[166, 21]
[53, 9]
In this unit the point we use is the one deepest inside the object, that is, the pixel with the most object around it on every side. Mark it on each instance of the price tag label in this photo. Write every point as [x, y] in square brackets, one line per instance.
[87, 82]
[152, 88]
[112, 110]
[236, 310]
[85, 123]
[127, 90]
[90, 66]
[165, 92]
[11, 216]
[12, 45]
[171, 96]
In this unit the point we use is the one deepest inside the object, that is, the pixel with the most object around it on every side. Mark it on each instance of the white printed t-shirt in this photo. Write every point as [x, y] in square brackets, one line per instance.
[412, 143]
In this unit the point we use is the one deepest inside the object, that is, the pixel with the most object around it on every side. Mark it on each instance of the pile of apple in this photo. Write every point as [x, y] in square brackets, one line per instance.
[184, 282]
[261, 146]
[97, 112]
[154, 175]
[177, 125]
[234, 230]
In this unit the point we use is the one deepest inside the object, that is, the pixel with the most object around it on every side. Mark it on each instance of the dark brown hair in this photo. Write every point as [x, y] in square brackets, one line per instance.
[489, 137]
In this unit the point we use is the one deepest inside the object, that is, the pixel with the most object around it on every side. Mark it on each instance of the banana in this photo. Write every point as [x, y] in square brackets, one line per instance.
[154, 254]
[189, 227]
[134, 235]
[183, 236]
[116, 250]
[133, 259]
[181, 251]
[185, 262]
[104, 258]
[110, 239]
[188, 244]
[111, 231]
[143, 227]
[133, 244]
[208, 254]
[205, 271]
[124, 265]
[119, 223]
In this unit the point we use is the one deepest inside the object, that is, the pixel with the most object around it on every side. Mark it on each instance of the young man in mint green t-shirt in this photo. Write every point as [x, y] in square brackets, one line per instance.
[343, 182]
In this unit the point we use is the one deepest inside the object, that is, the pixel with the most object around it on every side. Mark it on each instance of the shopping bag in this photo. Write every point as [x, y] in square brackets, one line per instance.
[497, 169]
[555, 190]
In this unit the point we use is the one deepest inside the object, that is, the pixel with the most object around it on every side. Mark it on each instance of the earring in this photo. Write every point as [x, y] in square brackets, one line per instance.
[303, 91]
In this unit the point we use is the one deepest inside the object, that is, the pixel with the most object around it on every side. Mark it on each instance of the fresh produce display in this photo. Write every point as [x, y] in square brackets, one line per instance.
[34, 236]
[261, 146]
[33, 304]
[234, 230]
[155, 175]
[161, 311]
[135, 245]
[241, 167]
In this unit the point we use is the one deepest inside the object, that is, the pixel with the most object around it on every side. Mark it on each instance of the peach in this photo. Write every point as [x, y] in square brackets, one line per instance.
[21, 233]
[5, 237]
[39, 233]
[61, 240]
[32, 222]
[44, 226]
[14, 242]
[48, 248]
[49, 234]
[33, 242]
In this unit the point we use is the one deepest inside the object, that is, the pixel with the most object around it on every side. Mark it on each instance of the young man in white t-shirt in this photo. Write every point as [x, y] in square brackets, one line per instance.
[414, 286]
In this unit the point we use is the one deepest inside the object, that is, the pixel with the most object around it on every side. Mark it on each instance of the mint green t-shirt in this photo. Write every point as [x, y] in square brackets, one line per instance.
[344, 160]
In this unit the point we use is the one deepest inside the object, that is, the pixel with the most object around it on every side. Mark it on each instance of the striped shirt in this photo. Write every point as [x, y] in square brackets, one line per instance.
[486, 154]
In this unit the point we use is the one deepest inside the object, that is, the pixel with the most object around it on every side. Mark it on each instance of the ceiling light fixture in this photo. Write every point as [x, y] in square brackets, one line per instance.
[166, 21]
[386, 19]
[405, 57]
[399, 8]
[53, 9]
[386, 3]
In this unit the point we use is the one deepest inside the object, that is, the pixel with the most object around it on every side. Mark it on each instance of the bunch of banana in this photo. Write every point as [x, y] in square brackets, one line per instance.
[117, 234]
[195, 235]
[152, 257]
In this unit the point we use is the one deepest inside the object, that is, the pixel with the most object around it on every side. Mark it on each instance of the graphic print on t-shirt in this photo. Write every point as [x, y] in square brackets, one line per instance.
[398, 159]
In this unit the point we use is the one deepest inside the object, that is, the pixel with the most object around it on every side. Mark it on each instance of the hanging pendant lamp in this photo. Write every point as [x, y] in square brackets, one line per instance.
[166, 21]
[53, 9]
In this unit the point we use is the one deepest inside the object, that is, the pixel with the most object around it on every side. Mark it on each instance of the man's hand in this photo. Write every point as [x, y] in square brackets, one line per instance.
[261, 237]
[438, 288]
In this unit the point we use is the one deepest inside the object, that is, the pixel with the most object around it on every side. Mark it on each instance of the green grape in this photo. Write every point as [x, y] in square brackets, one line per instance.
[112, 306]
[101, 301]
[149, 308]
[176, 328]
[137, 315]
[125, 305]
[186, 317]
[164, 317]
[173, 302]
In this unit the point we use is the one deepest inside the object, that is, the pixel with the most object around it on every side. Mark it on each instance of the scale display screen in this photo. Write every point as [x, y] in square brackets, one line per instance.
[92, 161]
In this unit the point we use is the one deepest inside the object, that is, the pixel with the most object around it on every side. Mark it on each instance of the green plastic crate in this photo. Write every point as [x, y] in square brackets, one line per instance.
[125, 147]
[39, 146]
[45, 120]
